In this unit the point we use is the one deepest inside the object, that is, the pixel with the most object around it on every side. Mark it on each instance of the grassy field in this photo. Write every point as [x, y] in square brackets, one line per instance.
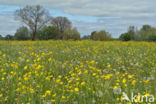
[76, 72]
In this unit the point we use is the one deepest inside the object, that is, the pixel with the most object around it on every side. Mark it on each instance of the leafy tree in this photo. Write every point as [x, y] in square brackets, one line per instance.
[9, 37]
[62, 23]
[48, 32]
[102, 36]
[86, 37]
[1, 37]
[35, 17]
[152, 37]
[146, 33]
[126, 37]
[22, 33]
[71, 33]
[146, 27]
[92, 33]
[132, 30]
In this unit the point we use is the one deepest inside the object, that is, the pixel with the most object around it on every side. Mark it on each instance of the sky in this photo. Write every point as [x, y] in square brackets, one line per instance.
[114, 16]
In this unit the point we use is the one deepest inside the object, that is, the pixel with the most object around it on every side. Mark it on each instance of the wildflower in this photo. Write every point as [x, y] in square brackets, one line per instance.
[108, 76]
[43, 96]
[63, 97]
[94, 74]
[124, 80]
[47, 78]
[92, 62]
[38, 67]
[130, 76]
[133, 82]
[48, 92]
[27, 60]
[26, 67]
[146, 81]
[49, 59]
[115, 87]
[80, 73]
[108, 66]
[59, 76]
[18, 89]
[147, 94]
[4, 55]
[32, 90]
[25, 78]
[53, 101]
[83, 83]
[99, 93]
[2, 78]
[58, 80]
[76, 89]
[1, 95]
[54, 95]
[38, 59]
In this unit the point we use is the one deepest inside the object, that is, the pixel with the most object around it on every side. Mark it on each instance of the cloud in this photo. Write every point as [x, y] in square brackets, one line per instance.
[8, 25]
[88, 15]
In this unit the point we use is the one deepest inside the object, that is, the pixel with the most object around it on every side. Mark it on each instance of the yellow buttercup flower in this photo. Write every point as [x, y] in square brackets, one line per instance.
[76, 89]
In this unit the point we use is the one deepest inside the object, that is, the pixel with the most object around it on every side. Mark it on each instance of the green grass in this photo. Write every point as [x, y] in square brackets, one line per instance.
[75, 72]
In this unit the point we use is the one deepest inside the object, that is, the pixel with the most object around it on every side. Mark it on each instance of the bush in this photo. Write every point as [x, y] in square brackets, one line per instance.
[1, 37]
[22, 33]
[126, 37]
[9, 37]
[102, 35]
[70, 33]
[48, 32]
[152, 37]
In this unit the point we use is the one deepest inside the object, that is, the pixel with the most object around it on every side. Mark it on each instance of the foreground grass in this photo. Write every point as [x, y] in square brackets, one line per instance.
[75, 72]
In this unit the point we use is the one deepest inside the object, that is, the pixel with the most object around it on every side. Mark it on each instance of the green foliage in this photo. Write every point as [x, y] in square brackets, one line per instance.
[92, 33]
[146, 33]
[146, 27]
[1, 37]
[152, 37]
[9, 37]
[86, 37]
[126, 37]
[76, 72]
[47, 32]
[71, 33]
[22, 33]
[102, 36]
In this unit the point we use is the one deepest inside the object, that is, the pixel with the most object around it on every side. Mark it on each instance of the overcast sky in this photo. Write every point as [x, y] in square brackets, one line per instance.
[114, 16]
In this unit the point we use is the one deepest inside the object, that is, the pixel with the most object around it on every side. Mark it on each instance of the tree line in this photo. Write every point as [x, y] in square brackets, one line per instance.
[39, 25]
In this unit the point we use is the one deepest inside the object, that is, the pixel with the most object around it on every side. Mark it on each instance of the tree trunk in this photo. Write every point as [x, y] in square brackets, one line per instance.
[34, 36]
[34, 33]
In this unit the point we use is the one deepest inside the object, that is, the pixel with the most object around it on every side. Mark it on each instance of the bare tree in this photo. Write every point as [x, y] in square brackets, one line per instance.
[34, 17]
[62, 23]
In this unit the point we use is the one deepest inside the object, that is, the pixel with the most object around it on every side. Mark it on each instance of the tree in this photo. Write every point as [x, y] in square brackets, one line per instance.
[9, 37]
[146, 33]
[126, 37]
[152, 37]
[132, 31]
[62, 23]
[22, 33]
[146, 27]
[48, 32]
[92, 33]
[1, 37]
[71, 33]
[102, 36]
[34, 17]
[86, 37]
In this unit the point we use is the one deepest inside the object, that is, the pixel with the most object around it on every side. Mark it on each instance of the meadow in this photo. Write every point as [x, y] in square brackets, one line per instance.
[76, 72]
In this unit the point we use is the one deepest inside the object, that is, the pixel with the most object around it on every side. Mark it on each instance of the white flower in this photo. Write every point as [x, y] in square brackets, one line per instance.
[99, 93]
